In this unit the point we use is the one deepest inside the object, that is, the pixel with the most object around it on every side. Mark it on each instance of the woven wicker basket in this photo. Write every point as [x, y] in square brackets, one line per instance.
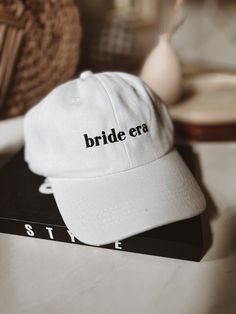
[39, 49]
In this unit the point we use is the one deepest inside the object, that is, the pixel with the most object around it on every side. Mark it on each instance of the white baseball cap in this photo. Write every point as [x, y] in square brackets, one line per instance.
[105, 142]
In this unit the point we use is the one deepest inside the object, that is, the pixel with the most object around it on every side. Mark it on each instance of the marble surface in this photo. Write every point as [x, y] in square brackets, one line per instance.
[46, 277]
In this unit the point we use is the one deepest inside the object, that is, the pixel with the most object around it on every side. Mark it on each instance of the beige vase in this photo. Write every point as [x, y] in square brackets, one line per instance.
[162, 71]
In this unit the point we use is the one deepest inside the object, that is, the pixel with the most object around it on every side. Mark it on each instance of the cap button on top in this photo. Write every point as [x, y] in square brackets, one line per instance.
[85, 74]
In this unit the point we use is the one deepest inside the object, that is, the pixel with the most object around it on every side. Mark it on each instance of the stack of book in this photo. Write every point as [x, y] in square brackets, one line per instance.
[27, 208]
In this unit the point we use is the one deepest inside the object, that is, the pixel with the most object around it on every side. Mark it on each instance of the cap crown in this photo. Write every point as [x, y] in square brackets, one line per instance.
[97, 125]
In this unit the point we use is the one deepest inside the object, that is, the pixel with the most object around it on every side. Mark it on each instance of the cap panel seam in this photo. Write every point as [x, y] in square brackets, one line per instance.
[155, 99]
[115, 115]
[121, 83]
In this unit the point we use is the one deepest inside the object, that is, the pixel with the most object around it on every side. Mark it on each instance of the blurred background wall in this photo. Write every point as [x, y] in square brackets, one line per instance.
[208, 35]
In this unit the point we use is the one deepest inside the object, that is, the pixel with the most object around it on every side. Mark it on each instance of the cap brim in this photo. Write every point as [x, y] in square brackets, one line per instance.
[105, 209]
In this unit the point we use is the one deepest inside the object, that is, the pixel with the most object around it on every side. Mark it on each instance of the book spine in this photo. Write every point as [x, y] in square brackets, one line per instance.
[137, 244]
[45, 231]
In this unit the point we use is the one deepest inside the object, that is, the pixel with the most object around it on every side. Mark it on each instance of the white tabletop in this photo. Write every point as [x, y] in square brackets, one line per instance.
[41, 276]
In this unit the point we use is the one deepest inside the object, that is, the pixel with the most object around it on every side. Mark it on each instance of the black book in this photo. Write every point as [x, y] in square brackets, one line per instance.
[26, 211]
